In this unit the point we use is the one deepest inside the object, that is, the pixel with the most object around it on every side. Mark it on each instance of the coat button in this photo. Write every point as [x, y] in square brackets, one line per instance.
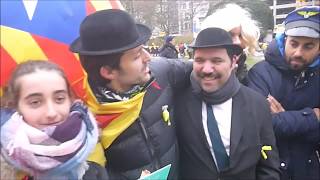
[305, 113]
[309, 161]
[283, 165]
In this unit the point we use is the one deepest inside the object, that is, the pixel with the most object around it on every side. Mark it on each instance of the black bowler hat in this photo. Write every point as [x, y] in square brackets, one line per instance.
[108, 32]
[215, 37]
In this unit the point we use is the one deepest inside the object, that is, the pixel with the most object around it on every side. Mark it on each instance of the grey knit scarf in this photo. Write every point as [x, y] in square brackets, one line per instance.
[229, 89]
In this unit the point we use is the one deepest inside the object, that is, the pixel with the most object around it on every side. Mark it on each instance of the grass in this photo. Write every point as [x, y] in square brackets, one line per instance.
[252, 60]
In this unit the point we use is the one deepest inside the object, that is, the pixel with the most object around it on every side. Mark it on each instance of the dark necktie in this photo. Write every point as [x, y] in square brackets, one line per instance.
[219, 150]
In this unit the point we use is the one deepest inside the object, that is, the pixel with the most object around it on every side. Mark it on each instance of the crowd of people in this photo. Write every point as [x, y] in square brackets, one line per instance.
[209, 118]
[170, 50]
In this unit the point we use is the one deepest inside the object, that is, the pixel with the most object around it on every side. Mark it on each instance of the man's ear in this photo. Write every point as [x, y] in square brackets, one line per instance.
[234, 61]
[107, 73]
[236, 58]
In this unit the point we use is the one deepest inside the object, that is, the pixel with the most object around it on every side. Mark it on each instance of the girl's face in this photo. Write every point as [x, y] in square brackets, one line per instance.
[44, 98]
[237, 37]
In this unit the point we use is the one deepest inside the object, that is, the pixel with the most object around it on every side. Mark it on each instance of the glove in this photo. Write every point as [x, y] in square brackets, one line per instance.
[95, 172]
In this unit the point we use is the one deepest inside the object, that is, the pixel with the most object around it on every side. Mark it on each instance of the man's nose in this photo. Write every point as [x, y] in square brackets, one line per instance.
[146, 56]
[298, 52]
[207, 67]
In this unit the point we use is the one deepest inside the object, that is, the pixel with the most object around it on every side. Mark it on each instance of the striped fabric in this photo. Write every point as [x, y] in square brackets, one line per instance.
[42, 29]
[113, 118]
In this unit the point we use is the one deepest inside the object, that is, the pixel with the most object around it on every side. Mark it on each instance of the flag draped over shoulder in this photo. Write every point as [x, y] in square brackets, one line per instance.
[43, 30]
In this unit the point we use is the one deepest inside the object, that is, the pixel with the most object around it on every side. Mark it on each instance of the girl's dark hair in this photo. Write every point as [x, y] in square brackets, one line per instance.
[93, 63]
[11, 93]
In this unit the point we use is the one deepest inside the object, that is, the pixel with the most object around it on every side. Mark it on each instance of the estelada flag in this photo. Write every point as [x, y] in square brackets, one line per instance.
[43, 30]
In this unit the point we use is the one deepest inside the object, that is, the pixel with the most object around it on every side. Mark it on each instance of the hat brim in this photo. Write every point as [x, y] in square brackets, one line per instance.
[144, 36]
[237, 49]
[302, 32]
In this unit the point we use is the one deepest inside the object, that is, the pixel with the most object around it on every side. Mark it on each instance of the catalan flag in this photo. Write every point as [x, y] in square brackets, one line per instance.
[43, 29]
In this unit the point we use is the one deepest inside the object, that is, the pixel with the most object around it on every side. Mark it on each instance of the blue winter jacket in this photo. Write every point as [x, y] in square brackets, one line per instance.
[297, 129]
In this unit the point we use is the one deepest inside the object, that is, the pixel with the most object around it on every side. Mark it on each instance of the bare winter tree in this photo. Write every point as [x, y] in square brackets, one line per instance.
[259, 10]
[142, 10]
[167, 16]
[195, 8]
[156, 13]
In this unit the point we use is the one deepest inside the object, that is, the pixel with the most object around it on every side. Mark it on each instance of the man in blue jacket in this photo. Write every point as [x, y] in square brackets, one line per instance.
[289, 78]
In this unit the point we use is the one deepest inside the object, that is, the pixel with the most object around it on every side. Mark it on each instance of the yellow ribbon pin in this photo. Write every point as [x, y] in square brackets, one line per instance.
[166, 115]
[263, 153]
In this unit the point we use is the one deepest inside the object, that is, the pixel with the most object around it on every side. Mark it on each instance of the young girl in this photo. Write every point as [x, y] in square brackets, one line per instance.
[43, 131]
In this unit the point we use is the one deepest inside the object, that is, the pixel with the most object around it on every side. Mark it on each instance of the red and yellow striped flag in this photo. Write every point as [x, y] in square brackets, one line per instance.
[42, 29]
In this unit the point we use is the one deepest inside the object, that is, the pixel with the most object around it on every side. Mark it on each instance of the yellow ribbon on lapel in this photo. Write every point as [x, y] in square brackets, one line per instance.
[166, 115]
[263, 153]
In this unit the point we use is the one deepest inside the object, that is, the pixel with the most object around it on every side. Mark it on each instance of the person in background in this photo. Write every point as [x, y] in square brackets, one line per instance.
[289, 78]
[152, 49]
[45, 132]
[243, 30]
[190, 52]
[181, 50]
[224, 128]
[168, 49]
[130, 94]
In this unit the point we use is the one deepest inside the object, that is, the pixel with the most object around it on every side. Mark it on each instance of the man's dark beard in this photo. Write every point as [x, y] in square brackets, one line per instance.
[297, 67]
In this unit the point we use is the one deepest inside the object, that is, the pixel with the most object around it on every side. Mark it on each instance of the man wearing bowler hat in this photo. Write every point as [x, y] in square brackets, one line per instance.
[224, 129]
[289, 78]
[131, 96]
